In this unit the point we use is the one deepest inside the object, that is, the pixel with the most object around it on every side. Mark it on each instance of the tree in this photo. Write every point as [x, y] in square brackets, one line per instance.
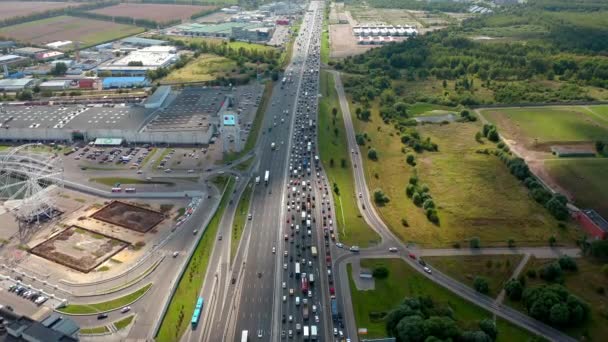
[514, 289]
[59, 69]
[480, 284]
[488, 326]
[365, 115]
[380, 272]
[25, 95]
[599, 146]
[475, 242]
[360, 139]
[331, 162]
[410, 159]
[493, 135]
[551, 272]
[334, 111]
[567, 263]
[372, 154]
[552, 241]
[553, 304]
[380, 197]
[511, 243]
[557, 208]
[343, 162]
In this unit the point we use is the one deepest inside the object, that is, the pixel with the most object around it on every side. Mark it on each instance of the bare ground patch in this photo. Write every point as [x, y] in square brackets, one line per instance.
[79, 248]
[129, 216]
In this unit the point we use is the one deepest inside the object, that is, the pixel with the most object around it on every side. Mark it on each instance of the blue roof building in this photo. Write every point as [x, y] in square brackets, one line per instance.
[125, 82]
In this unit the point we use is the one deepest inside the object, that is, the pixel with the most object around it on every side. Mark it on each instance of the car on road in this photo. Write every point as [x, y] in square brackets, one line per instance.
[102, 316]
[427, 270]
[335, 331]
[412, 256]
[260, 333]
[175, 254]
[284, 299]
[354, 249]
[339, 245]
[274, 250]
[125, 309]
[393, 249]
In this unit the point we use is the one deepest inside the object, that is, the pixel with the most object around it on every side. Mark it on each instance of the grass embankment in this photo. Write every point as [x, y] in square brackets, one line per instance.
[95, 330]
[475, 194]
[325, 42]
[110, 305]
[123, 323]
[240, 219]
[111, 181]
[585, 180]
[244, 166]
[496, 269]
[352, 228]
[178, 314]
[589, 284]
[254, 133]
[402, 282]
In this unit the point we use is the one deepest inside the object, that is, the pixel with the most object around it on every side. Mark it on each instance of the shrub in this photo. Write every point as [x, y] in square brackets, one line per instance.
[380, 272]
[372, 154]
[567, 263]
[481, 285]
[475, 242]
[514, 289]
[551, 272]
[410, 159]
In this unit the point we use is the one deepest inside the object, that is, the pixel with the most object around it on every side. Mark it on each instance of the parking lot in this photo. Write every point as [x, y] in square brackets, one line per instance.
[24, 298]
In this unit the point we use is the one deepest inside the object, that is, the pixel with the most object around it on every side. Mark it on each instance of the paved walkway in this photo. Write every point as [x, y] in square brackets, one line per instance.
[362, 284]
[516, 272]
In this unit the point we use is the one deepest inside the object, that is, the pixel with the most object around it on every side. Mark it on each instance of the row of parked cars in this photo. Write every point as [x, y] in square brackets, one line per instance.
[22, 291]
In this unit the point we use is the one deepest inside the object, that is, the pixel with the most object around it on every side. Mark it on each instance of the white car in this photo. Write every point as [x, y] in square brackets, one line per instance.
[316, 319]
[427, 270]
[284, 285]
[284, 299]
[284, 266]
[125, 309]
[393, 249]
[339, 245]
[274, 250]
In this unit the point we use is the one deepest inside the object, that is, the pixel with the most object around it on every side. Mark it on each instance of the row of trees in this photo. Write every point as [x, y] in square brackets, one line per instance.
[421, 319]
[421, 197]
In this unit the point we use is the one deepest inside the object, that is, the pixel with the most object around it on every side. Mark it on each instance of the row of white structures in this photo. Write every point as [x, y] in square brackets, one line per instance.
[388, 30]
[379, 40]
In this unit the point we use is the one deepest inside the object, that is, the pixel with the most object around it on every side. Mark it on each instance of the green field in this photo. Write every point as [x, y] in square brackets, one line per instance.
[403, 282]
[352, 228]
[583, 283]
[240, 219]
[496, 269]
[87, 31]
[206, 67]
[113, 304]
[422, 109]
[184, 298]
[585, 180]
[475, 193]
[600, 112]
[111, 181]
[548, 124]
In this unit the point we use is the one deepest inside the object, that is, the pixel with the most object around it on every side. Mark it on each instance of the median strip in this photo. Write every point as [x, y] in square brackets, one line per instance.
[94, 308]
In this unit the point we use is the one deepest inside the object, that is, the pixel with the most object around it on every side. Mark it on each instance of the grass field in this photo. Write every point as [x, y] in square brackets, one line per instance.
[583, 283]
[585, 180]
[240, 219]
[184, 298]
[87, 31]
[475, 194]
[110, 181]
[352, 228]
[403, 282]
[160, 13]
[11, 9]
[113, 304]
[123, 323]
[421, 109]
[548, 124]
[206, 67]
[496, 269]
[233, 44]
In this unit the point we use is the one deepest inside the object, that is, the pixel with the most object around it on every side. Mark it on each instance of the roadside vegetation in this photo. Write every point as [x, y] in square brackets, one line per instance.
[568, 293]
[93, 308]
[333, 148]
[181, 307]
[494, 270]
[94, 330]
[240, 219]
[372, 308]
[124, 322]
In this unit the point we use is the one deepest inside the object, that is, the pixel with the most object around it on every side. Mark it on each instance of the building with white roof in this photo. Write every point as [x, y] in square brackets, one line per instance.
[151, 58]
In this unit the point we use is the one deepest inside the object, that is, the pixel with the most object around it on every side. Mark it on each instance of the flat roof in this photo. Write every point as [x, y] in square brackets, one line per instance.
[597, 219]
[73, 117]
[143, 41]
[15, 82]
[147, 58]
[29, 50]
[7, 58]
[214, 28]
[158, 94]
[229, 120]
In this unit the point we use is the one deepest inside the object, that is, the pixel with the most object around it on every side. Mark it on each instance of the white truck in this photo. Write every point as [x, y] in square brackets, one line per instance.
[273, 146]
[257, 180]
[313, 332]
[245, 336]
[266, 177]
[306, 333]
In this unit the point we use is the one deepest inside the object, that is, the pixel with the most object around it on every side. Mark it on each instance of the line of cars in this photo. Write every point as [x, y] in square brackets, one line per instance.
[27, 293]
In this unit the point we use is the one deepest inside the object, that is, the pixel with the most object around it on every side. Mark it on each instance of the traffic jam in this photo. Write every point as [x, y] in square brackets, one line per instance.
[307, 270]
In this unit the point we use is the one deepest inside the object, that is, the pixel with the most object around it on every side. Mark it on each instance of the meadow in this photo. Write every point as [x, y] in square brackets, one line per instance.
[475, 194]
[206, 67]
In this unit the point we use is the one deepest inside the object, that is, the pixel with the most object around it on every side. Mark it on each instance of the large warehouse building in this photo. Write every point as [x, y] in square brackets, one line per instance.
[189, 116]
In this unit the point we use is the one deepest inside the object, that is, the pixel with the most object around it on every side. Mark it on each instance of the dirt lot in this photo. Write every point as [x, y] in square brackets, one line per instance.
[343, 42]
[12, 9]
[129, 216]
[156, 12]
[79, 248]
[87, 31]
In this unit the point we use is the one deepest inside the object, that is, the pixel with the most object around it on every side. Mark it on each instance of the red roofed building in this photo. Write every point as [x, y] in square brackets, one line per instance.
[593, 223]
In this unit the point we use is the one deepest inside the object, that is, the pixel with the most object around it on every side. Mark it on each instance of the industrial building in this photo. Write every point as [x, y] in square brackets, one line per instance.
[593, 223]
[254, 31]
[378, 40]
[16, 84]
[125, 82]
[384, 30]
[137, 63]
[54, 85]
[54, 328]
